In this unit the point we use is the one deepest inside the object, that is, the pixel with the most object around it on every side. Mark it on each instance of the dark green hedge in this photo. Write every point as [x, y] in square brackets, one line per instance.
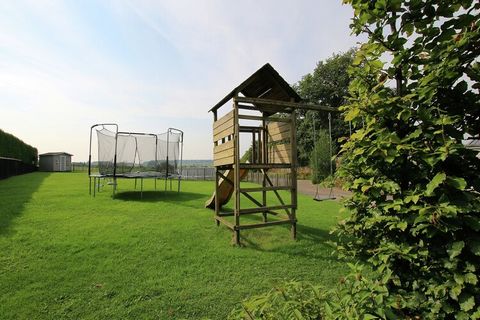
[12, 147]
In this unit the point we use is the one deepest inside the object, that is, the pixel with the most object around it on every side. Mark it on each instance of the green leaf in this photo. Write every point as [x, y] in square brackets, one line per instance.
[455, 292]
[352, 114]
[357, 60]
[456, 249]
[475, 247]
[402, 225]
[471, 278]
[408, 28]
[466, 302]
[457, 182]
[434, 183]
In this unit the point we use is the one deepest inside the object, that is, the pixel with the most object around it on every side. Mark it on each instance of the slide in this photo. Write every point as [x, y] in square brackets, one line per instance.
[225, 189]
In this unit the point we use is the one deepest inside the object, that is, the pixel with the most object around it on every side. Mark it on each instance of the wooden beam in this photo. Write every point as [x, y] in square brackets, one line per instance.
[223, 162]
[259, 189]
[264, 209]
[224, 177]
[225, 222]
[260, 118]
[249, 197]
[286, 104]
[231, 213]
[226, 118]
[253, 166]
[276, 192]
[236, 181]
[293, 193]
[264, 224]
[247, 107]
[217, 200]
[249, 129]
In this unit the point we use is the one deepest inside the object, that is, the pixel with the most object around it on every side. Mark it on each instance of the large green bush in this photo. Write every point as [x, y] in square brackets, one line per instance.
[12, 147]
[294, 300]
[415, 210]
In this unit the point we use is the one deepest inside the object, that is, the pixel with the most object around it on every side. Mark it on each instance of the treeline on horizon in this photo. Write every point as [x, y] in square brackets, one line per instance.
[186, 163]
[12, 147]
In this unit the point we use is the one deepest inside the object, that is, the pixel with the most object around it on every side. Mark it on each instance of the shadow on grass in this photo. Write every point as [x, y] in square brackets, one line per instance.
[157, 196]
[315, 237]
[15, 192]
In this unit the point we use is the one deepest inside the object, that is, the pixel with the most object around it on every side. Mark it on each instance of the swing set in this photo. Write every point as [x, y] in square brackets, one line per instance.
[315, 168]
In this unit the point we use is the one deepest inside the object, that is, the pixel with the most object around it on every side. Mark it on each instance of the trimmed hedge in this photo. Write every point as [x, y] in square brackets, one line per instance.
[12, 147]
[11, 167]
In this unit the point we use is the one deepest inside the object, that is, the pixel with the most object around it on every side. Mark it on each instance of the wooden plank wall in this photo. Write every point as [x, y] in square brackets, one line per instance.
[279, 148]
[223, 150]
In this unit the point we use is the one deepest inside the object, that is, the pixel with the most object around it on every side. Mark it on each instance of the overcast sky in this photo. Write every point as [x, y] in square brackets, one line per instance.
[148, 65]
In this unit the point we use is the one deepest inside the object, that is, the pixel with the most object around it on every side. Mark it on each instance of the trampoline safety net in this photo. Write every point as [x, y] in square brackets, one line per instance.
[158, 154]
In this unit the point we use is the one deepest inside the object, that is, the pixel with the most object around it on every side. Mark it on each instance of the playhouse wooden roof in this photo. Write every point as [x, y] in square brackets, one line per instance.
[265, 83]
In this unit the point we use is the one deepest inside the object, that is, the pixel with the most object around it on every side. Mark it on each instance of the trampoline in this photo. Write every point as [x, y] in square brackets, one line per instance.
[135, 155]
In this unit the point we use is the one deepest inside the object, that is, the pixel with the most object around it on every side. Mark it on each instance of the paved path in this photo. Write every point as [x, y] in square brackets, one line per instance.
[306, 187]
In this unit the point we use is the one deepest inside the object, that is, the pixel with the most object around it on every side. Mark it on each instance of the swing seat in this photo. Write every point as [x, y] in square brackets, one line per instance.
[318, 198]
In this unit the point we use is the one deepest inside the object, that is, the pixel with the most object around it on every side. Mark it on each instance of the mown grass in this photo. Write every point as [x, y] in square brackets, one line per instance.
[66, 255]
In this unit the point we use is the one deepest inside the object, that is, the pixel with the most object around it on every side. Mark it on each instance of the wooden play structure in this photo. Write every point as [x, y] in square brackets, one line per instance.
[264, 112]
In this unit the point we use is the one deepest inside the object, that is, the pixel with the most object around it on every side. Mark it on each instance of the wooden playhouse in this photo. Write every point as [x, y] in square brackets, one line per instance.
[263, 112]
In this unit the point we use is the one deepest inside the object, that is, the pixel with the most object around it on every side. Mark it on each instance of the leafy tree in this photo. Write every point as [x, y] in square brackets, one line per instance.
[415, 209]
[320, 159]
[326, 85]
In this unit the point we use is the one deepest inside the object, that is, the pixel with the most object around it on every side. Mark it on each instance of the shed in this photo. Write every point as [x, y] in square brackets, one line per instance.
[55, 161]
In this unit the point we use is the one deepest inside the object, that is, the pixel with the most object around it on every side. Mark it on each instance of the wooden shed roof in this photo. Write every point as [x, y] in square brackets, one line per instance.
[265, 83]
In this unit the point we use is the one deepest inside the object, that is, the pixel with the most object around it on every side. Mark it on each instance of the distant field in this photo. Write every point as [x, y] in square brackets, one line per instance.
[66, 255]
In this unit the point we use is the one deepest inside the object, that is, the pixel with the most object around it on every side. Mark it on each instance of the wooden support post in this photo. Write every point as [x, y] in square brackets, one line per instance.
[293, 170]
[217, 200]
[254, 148]
[260, 147]
[236, 167]
[264, 160]
[217, 180]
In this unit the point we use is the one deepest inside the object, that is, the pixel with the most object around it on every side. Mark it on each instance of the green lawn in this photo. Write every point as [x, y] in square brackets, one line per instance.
[66, 255]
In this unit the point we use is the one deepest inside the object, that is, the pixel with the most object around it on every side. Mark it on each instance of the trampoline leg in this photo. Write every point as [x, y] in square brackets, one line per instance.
[170, 184]
[178, 184]
[155, 182]
[94, 186]
[90, 185]
[135, 187]
[141, 188]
